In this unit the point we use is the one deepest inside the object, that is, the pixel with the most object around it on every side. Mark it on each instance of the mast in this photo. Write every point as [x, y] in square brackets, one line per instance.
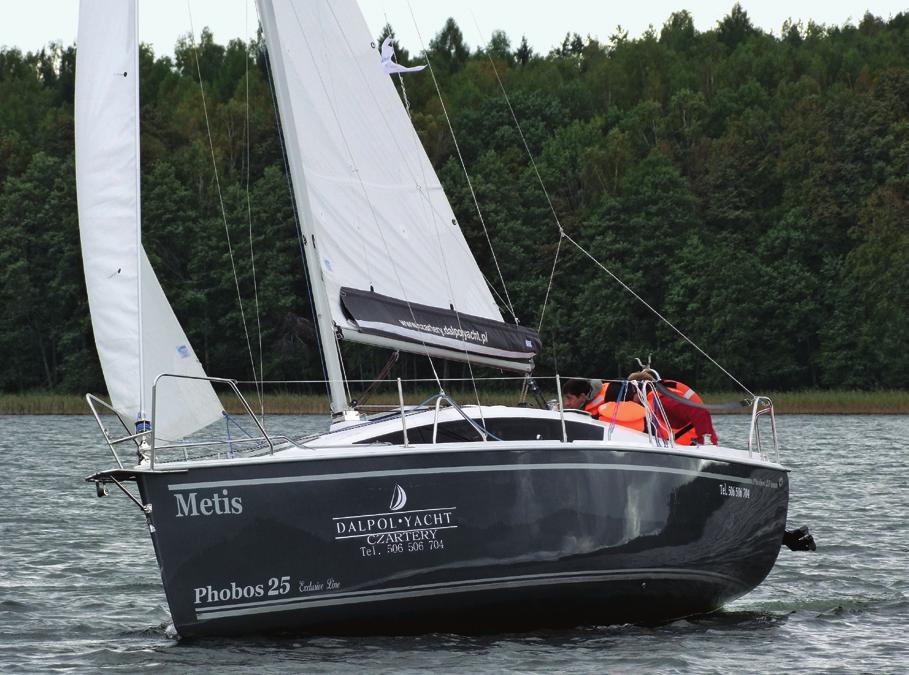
[389, 264]
[324, 321]
[327, 336]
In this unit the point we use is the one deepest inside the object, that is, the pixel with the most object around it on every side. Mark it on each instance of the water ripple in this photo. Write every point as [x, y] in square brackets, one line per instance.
[80, 590]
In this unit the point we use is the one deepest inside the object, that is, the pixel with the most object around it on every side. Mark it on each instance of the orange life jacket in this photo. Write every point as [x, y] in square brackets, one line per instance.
[625, 413]
[593, 405]
[685, 434]
[631, 414]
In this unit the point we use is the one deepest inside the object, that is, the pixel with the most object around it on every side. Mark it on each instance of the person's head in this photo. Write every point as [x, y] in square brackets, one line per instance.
[645, 375]
[575, 393]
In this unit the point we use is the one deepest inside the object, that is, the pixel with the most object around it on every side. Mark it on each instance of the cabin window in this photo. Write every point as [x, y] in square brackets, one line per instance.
[508, 429]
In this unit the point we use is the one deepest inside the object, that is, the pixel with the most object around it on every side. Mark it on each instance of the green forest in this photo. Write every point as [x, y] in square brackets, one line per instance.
[752, 187]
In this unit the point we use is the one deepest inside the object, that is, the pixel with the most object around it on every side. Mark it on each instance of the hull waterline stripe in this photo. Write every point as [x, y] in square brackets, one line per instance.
[579, 466]
[466, 586]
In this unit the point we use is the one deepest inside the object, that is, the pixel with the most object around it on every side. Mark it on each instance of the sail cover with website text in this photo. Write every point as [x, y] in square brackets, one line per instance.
[393, 265]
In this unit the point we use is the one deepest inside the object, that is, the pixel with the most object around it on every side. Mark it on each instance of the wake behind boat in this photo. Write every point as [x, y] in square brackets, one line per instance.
[435, 516]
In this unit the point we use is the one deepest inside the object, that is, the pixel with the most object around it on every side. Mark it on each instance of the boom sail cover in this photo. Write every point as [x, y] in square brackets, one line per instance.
[116, 267]
[393, 263]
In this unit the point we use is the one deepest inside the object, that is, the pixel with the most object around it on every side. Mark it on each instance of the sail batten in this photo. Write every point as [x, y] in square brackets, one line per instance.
[376, 212]
[136, 332]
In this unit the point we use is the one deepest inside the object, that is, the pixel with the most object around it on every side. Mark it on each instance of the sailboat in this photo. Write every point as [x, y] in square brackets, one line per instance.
[428, 517]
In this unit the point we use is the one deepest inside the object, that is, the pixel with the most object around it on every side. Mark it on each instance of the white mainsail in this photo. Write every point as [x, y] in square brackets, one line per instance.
[390, 258]
[137, 338]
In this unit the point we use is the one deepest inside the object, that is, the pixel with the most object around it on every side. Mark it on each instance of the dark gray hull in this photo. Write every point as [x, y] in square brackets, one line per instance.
[461, 540]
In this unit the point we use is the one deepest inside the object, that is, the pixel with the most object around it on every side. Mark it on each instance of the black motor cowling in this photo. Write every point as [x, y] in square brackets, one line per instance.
[799, 539]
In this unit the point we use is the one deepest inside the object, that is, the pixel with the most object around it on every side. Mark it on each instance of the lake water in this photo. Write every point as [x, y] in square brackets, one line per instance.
[80, 590]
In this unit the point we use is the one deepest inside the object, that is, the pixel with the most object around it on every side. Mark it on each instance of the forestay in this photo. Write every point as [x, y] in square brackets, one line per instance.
[136, 341]
[393, 266]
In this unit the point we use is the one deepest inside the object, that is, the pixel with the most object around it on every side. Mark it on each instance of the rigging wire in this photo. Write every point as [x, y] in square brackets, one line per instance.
[252, 255]
[365, 192]
[394, 265]
[521, 133]
[493, 288]
[535, 170]
[211, 145]
[442, 255]
[425, 194]
[454, 138]
[503, 378]
[564, 235]
[400, 76]
[140, 332]
[435, 221]
[355, 168]
[555, 261]
[475, 201]
[507, 300]
[296, 216]
[344, 379]
[652, 309]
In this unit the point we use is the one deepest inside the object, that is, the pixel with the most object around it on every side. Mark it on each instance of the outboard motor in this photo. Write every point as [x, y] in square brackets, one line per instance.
[799, 539]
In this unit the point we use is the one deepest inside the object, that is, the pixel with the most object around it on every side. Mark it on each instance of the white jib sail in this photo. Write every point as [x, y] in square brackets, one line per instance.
[372, 199]
[107, 165]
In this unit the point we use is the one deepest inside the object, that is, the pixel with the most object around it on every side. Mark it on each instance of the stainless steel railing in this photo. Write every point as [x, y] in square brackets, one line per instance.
[94, 401]
[762, 407]
[654, 415]
[214, 380]
[148, 446]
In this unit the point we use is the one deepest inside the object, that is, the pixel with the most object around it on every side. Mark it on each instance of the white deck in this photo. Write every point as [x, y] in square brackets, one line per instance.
[351, 440]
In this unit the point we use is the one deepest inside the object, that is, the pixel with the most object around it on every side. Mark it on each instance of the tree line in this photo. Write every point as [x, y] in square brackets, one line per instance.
[752, 187]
